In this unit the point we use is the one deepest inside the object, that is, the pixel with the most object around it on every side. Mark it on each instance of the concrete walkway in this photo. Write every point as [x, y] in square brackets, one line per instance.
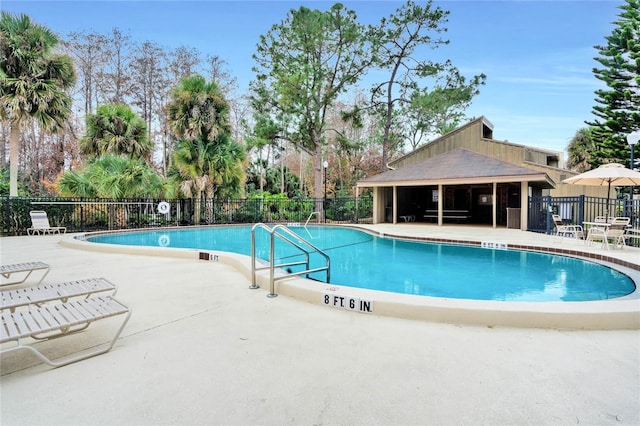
[202, 348]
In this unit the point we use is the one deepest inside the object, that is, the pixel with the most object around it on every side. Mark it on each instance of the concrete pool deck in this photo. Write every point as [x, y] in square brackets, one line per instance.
[202, 348]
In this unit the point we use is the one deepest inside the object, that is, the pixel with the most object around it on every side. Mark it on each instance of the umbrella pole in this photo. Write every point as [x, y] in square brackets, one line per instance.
[606, 210]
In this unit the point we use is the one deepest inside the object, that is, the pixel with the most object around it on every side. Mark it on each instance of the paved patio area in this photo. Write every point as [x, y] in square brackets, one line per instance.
[202, 348]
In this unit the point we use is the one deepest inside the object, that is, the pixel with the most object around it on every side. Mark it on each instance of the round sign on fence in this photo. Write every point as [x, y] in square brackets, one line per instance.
[164, 207]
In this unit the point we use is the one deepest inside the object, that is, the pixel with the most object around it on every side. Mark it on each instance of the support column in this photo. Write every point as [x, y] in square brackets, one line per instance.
[494, 204]
[394, 207]
[377, 201]
[440, 203]
[524, 206]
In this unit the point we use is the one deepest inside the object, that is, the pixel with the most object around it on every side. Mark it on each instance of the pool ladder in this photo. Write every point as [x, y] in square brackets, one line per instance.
[293, 239]
[310, 216]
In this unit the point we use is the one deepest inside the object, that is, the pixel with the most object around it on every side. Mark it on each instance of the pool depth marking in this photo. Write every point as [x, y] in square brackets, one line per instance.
[349, 303]
[494, 245]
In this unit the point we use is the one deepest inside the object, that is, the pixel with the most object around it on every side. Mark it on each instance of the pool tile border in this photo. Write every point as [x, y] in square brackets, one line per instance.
[538, 248]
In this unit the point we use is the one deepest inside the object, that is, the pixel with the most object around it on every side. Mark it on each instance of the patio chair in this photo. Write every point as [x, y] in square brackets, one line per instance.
[616, 232]
[596, 234]
[631, 234]
[562, 230]
[56, 321]
[40, 224]
[18, 268]
[12, 299]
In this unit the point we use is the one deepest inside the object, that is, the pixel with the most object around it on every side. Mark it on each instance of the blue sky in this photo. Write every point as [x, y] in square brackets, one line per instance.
[537, 55]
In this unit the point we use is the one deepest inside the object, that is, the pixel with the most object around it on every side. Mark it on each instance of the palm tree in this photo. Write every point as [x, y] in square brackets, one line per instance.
[206, 157]
[113, 176]
[227, 170]
[116, 129]
[33, 80]
[580, 151]
[192, 160]
[197, 109]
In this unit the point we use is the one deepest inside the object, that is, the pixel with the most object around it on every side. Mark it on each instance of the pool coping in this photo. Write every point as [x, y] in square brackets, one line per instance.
[619, 313]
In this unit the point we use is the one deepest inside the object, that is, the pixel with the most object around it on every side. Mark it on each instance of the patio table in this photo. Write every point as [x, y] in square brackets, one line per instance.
[604, 229]
[587, 225]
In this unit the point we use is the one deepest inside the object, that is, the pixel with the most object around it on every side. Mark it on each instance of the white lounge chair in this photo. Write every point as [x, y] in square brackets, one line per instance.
[562, 230]
[40, 224]
[12, 299]
[57, 320]
[6, 271]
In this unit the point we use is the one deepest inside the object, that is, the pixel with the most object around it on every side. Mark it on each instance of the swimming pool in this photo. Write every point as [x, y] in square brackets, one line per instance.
[360, 259]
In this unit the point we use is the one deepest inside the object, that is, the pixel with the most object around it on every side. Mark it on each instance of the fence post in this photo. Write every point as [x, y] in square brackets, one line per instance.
[549, 213]
[580, 209]
[628, 208]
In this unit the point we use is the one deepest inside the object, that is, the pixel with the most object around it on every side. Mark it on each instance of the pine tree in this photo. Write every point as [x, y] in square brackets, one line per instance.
[618, 105]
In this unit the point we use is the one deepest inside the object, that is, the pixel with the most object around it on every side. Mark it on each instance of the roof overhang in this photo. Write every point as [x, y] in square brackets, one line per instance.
[458, 167]
[542, 180]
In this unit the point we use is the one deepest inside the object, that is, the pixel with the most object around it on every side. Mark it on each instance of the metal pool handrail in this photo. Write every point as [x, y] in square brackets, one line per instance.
[309, 218]
[273, 232]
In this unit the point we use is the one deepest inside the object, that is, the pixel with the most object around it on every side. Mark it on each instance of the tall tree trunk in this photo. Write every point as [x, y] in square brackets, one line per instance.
[261, 177]
[282, 158]
[317, 181]
[387, 122]
[4, 129]
[198, 205]
[209, 211]
[14, 157]
[301, 174]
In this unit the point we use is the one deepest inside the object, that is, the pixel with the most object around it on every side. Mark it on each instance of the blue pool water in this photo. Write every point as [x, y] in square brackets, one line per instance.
[359, 259]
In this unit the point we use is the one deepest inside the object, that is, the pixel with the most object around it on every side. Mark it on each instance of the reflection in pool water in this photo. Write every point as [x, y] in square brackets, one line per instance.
[359, 259]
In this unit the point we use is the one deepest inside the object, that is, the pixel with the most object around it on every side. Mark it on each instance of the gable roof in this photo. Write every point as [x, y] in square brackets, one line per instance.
[460, 166]
[484, 130]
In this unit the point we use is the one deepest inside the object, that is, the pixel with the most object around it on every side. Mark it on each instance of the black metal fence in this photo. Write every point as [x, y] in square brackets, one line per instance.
[576, 210]
[84, 214]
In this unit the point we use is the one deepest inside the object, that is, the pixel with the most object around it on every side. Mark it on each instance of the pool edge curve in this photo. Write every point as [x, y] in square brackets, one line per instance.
[619, 313]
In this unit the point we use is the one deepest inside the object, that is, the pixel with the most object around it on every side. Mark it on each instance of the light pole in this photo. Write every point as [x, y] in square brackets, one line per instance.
[632, 139]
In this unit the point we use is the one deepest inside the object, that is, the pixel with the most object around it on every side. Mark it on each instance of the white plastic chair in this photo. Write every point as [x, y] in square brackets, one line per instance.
[40, 224]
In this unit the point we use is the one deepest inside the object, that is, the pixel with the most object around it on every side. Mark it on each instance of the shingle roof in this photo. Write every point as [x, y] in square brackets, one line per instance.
[457, 165]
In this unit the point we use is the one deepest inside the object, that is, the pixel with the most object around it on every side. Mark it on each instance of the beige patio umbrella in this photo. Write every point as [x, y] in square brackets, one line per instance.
[606, 175]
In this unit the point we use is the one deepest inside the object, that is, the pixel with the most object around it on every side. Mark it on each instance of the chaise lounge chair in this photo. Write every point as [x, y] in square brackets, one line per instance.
[18, 268]
[56, 320]
[47, 311]
[12, 299]
[40, 224]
